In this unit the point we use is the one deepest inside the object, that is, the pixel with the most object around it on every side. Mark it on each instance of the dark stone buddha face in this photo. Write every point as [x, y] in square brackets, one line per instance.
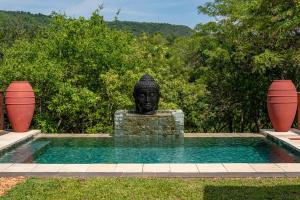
[146, 95]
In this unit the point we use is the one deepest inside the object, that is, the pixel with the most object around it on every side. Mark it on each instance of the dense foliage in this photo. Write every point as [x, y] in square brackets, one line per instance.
[252, 43]
[83, 71]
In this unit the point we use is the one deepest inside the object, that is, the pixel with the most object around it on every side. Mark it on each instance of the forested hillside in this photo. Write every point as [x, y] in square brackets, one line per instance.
[83, 71]
[27, 22]
[151, 28]
[15, 25]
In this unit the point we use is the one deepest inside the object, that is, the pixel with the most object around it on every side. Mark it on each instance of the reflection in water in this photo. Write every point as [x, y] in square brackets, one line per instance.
[23, 154]
[278, 155]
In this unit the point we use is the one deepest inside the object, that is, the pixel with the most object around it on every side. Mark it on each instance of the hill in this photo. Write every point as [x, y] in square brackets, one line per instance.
[14, 24]
[151, 28]
[25, 17]
[27, 22]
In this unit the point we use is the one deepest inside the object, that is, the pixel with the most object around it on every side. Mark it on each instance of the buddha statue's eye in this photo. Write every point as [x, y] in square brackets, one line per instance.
[142, 96]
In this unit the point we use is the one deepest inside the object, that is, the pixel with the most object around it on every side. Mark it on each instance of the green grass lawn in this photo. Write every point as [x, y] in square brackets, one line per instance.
[155, 188]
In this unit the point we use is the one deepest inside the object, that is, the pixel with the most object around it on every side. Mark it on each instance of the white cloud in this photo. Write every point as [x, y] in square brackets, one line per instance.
[34, 6]
[86, 7]
[83, 8]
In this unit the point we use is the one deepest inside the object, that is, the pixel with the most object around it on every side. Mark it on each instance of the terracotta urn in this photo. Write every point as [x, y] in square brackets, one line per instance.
[282, 104]
[20, 104]
[298, 113]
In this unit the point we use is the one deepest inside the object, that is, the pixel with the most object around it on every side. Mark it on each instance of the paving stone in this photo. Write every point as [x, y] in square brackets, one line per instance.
[4, 166]
[47, 168]
[211, 168]
[184, 168]
[102, 168]
[129, 168]
[12, 138]
[284, 137]
[289, 167]
[238, 167]
[74, 168]
[20, 168]
[156, 168]
[266, 167]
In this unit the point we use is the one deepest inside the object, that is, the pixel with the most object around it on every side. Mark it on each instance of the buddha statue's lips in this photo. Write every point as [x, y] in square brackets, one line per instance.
[148, 105]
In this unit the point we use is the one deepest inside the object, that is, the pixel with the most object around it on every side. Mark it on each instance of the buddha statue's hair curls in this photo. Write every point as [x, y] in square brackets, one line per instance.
[146, 82]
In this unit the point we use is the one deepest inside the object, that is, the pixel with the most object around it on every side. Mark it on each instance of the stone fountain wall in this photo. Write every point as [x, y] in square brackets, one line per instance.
[163, 123]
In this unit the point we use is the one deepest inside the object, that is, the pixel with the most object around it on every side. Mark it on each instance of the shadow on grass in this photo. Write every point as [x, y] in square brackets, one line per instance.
[286, 192]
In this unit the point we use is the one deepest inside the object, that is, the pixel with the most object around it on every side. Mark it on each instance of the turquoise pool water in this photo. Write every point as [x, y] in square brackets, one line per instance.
[137, 150]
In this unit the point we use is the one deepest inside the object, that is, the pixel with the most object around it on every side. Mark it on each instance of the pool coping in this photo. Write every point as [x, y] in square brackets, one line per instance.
[189, 170]
[186, 135]
[233, 170]
[287, 138]
[9, 139]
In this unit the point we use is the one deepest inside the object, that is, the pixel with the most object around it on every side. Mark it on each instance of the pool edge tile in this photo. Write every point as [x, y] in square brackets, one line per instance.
[47, 168]
[105, 168]
[266, 167]
[129, 168]
[289, 167]
[20, 167]
[74, 168]
[11, 138]
[4, 166]
[211, 168]
[183, 168]
[283, 137]
[238, 167]
[156, 168]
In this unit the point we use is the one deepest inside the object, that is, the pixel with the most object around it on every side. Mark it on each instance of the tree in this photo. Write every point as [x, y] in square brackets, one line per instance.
[256, 41]
[82, 72]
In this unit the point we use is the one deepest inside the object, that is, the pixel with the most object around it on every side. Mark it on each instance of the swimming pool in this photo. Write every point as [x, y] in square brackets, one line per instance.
[149, 150]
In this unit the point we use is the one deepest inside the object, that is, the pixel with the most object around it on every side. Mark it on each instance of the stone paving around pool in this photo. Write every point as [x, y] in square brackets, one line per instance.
[290, 138]
[157, 170]
[8, 139]
[147, 170]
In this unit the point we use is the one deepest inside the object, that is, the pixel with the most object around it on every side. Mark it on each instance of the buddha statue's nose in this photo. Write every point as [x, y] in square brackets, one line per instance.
[147, 98]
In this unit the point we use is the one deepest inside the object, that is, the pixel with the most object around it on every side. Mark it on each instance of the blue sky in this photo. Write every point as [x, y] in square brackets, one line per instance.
[169, 11]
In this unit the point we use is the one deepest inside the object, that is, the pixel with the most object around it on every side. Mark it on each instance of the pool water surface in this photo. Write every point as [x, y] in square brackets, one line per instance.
[149, 150]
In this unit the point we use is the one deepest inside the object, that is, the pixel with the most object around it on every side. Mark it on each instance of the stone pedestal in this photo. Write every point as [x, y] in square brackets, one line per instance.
[163, 123]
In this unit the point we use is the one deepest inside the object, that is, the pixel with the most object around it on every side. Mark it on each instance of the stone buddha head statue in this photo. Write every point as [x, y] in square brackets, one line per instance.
[146, 95]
